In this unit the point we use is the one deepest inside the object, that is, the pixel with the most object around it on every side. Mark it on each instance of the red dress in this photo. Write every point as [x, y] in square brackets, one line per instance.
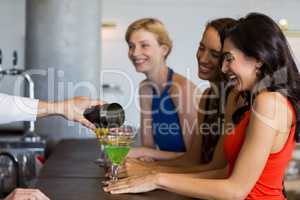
[269, 185]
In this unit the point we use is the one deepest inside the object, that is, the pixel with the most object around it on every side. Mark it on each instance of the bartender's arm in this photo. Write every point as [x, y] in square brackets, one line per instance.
[71, 109]
[15, 108]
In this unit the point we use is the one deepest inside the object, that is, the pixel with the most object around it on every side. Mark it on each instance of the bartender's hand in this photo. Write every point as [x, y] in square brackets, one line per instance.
[26, 194]
[71, 109]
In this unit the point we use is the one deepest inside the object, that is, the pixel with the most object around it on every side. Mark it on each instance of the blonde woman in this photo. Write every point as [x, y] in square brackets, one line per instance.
[168, 114]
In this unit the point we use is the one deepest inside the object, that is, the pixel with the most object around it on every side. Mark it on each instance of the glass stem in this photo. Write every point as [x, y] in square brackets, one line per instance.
[102, 152]
[114, 172]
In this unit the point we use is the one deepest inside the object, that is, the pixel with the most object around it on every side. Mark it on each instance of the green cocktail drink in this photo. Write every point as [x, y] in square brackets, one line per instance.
[117, 146]
[116, 154]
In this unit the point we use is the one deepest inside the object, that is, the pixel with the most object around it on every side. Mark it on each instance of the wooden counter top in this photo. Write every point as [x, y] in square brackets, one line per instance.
[71, 174]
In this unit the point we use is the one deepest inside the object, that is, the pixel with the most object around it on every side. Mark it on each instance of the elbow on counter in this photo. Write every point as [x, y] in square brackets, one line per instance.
[227, 195]
[228, 192]
[238, 195]
[235, 191]
[234, 195]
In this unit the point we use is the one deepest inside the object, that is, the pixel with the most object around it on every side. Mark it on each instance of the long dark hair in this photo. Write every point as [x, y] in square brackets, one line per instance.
[258, 36]
[210, 139]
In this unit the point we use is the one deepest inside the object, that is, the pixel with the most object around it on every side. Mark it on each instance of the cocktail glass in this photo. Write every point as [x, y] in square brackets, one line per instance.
[101, 134]
[117, 146]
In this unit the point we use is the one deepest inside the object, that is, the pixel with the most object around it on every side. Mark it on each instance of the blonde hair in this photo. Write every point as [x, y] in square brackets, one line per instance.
[154, 26]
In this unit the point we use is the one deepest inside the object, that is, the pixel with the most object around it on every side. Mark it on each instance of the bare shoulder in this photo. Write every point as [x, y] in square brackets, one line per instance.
[183, 85]
[145, 93]
[145, 87]
[270, 101]
[185, 95]
[272, 107]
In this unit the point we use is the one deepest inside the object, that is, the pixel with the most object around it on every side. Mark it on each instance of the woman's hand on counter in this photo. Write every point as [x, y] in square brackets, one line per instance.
[136, 184]
[26, 194]
[139, 153]
[71, 109]
[136, 152]
[136, 167]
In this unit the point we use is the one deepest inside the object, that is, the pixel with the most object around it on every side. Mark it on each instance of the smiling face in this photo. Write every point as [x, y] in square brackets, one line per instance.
[239, 68]
[145, 52]
[209, 55]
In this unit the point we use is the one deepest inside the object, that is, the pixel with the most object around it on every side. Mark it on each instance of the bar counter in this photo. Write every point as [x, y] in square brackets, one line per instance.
[71, 174]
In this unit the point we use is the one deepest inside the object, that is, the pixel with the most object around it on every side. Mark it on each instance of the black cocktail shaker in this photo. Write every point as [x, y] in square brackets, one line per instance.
[106, 116]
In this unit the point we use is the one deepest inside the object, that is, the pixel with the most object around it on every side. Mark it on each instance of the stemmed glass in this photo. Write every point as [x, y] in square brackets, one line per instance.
[101, 133]
[117, 146]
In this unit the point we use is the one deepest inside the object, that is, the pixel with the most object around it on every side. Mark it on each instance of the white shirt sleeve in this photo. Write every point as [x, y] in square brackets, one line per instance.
[13, 108]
